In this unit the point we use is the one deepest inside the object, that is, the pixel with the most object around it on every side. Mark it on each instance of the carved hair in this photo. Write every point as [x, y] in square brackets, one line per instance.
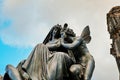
[70, 32]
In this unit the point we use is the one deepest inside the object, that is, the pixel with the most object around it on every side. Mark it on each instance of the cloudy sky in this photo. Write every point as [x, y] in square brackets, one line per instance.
[24, 23]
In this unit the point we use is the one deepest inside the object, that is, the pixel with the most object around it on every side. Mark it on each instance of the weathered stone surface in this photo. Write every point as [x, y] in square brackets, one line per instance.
[113, 22]
[61, 56]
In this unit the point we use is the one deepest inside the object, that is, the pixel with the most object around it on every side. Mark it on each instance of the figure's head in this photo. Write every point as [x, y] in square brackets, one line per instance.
[56, 31]
[67, 33]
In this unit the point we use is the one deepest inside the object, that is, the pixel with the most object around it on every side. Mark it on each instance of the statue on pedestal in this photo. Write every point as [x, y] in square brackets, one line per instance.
[61, 56]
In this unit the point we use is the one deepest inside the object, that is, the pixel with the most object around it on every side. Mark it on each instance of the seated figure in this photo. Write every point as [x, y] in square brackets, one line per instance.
[47, 61]
[61, 56]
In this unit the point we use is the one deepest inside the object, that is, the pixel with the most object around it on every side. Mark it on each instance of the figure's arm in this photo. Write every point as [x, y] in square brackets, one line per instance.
[85, 36]
[72, 45]
[53, 45]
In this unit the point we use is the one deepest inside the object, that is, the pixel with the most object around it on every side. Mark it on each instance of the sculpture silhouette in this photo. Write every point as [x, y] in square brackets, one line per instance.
[57, 58]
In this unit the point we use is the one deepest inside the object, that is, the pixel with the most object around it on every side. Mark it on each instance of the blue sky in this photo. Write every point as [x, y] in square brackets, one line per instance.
[25, 23]
[11, 55]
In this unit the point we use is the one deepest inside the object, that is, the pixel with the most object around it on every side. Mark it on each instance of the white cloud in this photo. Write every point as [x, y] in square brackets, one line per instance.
[32, 19]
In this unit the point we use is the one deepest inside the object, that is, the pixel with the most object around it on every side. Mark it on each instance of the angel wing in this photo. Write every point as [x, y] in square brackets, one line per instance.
[86, 34]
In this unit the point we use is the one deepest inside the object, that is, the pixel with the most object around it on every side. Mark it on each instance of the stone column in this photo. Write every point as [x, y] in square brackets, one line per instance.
[113, 23]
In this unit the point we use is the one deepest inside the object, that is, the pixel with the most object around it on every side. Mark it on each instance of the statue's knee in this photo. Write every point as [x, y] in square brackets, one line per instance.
[13, 73]
[11, 70]
[9, 67]
[76, 69]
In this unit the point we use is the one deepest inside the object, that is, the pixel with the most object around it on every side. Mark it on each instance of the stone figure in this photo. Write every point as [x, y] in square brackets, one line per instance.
[84, 62]
[113, 22]
[57, 58]
[47, 61]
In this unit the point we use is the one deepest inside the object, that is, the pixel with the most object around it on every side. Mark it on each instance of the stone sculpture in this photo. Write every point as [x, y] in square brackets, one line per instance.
[61, 56]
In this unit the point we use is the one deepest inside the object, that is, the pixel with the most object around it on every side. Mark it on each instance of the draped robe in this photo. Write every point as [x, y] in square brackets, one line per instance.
[43, 64]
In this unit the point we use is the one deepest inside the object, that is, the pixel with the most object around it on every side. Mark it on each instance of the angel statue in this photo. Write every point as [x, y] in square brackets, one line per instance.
[84, 63]
[56, 58]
